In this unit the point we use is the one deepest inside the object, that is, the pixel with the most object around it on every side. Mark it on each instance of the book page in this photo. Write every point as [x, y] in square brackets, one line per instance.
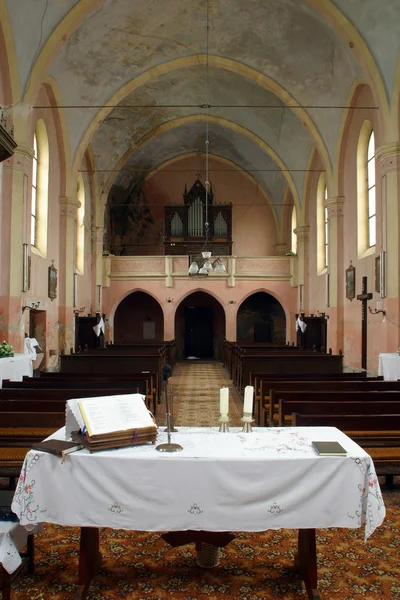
[107, 414]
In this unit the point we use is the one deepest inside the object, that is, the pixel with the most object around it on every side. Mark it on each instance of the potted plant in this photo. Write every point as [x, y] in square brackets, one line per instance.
[6, 350]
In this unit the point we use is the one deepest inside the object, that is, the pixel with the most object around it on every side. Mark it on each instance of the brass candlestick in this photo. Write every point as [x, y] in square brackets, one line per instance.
[247, 420]
[169, 446]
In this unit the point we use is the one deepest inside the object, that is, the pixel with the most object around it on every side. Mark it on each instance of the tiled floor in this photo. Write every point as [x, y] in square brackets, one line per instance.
[194, 387]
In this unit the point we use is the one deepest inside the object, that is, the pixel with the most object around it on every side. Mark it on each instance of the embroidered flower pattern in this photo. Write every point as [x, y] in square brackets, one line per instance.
[275, 509]
[195, 509]
[116, 508]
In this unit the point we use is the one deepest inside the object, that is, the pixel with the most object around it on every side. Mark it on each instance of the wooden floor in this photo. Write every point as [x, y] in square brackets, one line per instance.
[194, 387]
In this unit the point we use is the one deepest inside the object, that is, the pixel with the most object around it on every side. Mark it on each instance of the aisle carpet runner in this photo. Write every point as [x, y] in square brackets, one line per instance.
[141, 566]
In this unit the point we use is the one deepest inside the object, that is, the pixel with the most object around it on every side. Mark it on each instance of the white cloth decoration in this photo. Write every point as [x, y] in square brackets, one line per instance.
[29, 347]
[99, 328]
[300, 325]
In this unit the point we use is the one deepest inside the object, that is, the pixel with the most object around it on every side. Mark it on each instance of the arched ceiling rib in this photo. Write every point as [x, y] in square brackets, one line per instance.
[280, 38]
[277, 126]
[189, 139]
[108, 43]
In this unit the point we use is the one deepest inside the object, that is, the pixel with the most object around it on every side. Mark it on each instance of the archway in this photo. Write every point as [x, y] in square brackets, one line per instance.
[138, 318]
[199, 327]
[261, 318]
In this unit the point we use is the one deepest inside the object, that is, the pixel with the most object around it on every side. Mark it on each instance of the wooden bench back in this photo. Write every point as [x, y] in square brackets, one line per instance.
[359, 407]
[349, 423]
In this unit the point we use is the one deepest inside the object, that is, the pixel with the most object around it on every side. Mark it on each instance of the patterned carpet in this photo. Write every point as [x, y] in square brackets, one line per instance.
[141, 566]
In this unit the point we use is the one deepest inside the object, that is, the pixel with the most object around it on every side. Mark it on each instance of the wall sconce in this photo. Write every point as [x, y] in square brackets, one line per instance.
[77, 311]
[231, 301]
[33, 306]
[376, 311]
[169, 300]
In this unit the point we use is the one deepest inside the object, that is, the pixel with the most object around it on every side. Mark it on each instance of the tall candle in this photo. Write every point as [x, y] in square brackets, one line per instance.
[248, 399]
[224, 401]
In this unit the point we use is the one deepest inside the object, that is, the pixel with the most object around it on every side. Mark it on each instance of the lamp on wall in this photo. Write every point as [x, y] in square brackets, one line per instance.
[205, 264]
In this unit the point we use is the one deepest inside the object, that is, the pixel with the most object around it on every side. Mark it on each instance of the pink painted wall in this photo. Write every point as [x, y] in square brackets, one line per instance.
[365, 266]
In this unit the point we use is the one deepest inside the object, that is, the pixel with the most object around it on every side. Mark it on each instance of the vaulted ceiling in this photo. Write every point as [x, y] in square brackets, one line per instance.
[147, 61]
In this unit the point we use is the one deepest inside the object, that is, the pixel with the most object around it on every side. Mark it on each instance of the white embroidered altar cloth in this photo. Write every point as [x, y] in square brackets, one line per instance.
[271, 478]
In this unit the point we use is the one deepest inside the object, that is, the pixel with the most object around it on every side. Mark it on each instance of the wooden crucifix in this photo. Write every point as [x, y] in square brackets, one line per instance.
[364, 297]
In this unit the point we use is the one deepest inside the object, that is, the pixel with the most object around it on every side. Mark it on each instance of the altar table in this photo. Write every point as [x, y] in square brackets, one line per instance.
[15, 367]
[268, 479]
[389, 366]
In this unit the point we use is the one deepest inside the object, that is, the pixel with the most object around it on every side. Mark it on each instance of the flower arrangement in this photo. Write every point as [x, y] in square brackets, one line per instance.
[6, 350]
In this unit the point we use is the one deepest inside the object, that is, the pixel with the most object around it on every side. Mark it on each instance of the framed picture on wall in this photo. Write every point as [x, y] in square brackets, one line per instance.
[350, 282]
[52, 293]
[378, 274]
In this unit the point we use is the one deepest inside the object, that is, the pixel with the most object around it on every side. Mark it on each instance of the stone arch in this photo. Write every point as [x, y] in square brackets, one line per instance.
[9, 77]
[261, 318]
[213, 61]
[175, 123]
[138, 318]
[325, 7]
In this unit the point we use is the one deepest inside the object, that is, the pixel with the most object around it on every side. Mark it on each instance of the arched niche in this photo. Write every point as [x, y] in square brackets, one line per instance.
[138, 318]
[261, 318]
[199, 327]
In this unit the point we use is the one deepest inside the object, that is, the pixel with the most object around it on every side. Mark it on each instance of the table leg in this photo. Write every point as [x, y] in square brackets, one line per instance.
[306, 562]
[89, 560]
[6, 584]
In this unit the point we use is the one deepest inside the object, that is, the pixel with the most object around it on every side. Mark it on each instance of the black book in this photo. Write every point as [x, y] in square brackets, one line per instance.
[329, 449]
[58, 447]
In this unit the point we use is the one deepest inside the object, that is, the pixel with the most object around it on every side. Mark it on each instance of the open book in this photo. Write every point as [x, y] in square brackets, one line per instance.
[114, 421]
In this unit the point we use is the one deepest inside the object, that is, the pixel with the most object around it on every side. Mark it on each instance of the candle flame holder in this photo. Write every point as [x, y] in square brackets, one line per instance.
[247, 420]
[224, 420]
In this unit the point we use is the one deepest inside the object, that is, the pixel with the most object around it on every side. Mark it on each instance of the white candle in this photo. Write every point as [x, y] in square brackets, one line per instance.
[248, 399]
[224, 401]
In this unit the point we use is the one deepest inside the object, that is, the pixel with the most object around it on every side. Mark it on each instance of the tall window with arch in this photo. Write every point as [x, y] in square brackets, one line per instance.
[40, 189]
[371, 190]
[80, 227]
[34, 191]
[294, 236]
[322, 226]
[366, 190]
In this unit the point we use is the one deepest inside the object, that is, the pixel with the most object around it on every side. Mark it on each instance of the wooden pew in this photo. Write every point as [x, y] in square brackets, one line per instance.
[152, 384]
[331, 408]
[296, 363]
[263, 383]
[109, 364]
[283, 389]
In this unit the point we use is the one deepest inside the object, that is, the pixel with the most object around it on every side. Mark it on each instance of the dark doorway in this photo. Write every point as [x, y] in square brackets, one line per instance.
[199, 332]
[261, 318]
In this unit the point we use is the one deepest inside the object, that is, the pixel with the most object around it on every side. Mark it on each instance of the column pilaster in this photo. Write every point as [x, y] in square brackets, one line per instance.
[389, 159]
[66, 273]
[14, 233]
[97, 245]
[335, 208]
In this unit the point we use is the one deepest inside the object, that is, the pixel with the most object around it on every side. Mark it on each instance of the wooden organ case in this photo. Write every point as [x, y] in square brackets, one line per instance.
[185, 224]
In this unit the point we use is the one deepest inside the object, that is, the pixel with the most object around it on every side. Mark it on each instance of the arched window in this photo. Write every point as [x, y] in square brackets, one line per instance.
[366, 190]
[80, 227]
[34, 192]
[322, 226]
[40, 189]
[371, 191]
[326, 229]
[294, 236]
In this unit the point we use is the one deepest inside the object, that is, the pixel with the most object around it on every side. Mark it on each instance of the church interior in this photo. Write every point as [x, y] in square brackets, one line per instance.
[214, 185]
